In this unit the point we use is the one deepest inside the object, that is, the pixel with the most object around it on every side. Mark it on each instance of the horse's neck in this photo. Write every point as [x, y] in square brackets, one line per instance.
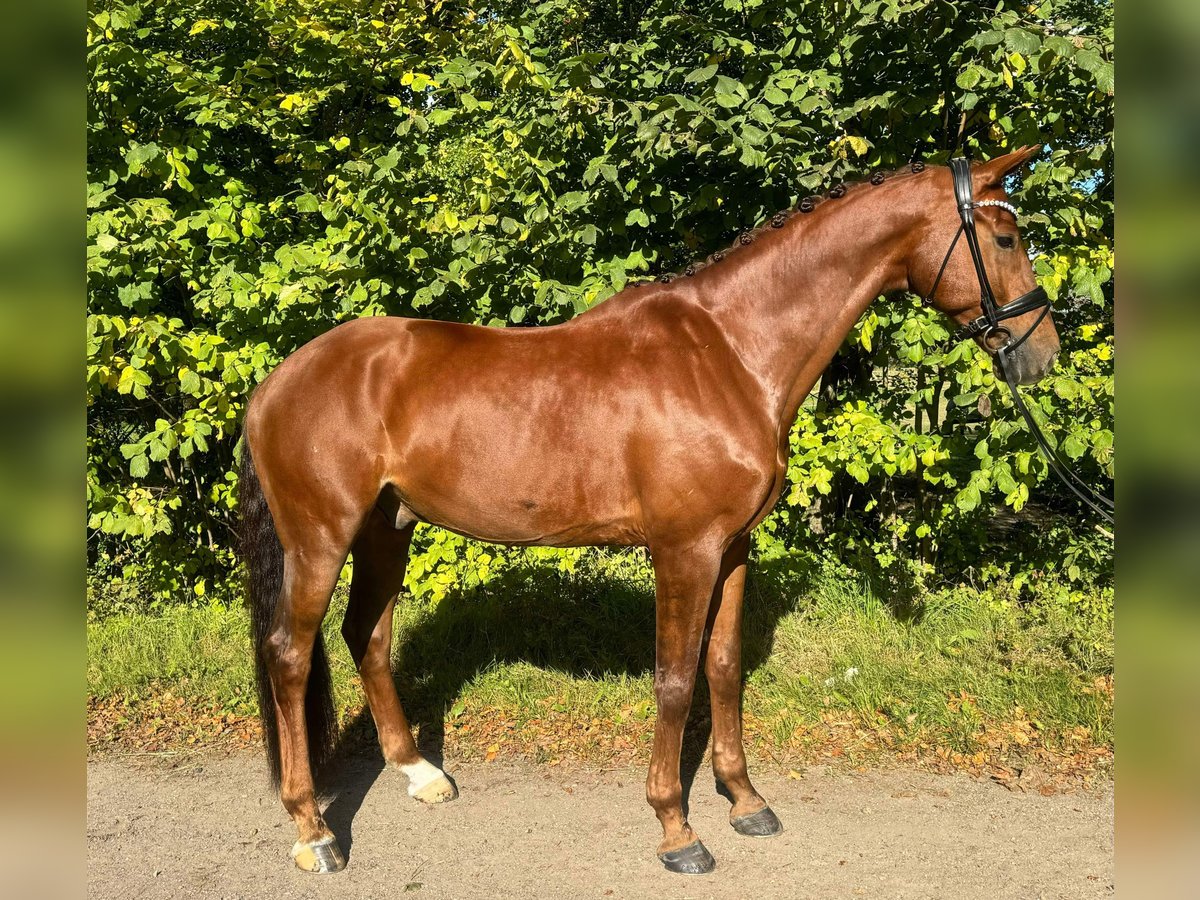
[788, 309]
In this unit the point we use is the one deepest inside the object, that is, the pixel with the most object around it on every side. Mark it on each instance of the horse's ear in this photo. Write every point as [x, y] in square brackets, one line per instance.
[992, 172]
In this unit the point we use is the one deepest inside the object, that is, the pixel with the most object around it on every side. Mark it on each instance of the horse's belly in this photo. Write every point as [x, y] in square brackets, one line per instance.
[525, 521]
[557, 501]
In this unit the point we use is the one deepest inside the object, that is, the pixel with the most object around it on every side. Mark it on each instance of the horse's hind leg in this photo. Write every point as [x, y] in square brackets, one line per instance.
[750, 814]
[380, 555]
[309, 580]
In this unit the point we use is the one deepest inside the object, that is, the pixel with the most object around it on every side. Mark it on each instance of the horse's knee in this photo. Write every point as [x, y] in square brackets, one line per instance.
[721, 667]
[673, 692]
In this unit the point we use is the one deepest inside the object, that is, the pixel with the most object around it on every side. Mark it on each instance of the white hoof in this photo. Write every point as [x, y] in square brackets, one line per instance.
[428, 783]
[440, 791]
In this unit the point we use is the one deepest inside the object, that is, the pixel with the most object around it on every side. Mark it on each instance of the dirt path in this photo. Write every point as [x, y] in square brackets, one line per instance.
[207, 827]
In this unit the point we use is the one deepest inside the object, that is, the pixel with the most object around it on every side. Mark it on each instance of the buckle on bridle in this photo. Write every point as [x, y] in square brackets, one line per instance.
[997, 331]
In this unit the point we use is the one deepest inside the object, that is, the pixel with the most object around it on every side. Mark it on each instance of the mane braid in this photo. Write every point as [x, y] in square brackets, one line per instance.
[781, 218]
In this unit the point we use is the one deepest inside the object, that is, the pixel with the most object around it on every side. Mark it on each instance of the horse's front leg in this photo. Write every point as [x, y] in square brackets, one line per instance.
[684, 585]
[750, 814]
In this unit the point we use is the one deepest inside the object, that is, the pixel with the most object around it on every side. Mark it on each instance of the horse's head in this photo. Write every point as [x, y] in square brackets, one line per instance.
[1005, 259]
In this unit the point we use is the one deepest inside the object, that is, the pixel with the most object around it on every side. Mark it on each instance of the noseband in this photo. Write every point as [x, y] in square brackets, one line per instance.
[988, 326]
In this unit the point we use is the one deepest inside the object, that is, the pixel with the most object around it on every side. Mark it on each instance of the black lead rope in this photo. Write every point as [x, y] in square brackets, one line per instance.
[988, 324]
[1101, 505]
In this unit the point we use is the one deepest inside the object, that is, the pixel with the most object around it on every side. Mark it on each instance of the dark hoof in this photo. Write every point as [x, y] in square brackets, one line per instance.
[693, 859]
[321, 857]
[763, 823]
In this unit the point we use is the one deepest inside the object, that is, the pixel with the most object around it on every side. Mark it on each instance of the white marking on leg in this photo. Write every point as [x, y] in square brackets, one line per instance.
[420, 774]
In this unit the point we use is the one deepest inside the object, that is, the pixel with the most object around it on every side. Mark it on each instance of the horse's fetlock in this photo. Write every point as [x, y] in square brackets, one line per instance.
[664, 796]
[294, 800]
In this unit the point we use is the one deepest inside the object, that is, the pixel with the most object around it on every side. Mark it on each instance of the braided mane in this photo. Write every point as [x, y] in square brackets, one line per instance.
[805, 205]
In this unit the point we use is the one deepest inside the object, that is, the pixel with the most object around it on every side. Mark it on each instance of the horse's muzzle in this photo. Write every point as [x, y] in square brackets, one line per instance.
[1025, 367]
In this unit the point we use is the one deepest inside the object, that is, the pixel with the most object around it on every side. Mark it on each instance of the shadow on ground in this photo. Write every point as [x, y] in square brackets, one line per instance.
[579, 624]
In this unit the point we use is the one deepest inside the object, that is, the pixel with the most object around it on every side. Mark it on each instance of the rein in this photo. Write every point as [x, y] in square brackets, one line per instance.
[988, 325]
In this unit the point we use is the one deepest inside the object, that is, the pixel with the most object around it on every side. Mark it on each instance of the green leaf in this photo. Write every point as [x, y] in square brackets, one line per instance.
[138, 155]
[573, 200]
[1022, 41]
[774, 95]
[1089, 60]
[968, 498]
[969, 77]
[728, 100]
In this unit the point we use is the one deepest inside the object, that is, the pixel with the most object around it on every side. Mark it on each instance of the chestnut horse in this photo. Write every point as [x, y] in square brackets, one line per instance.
[660, 418]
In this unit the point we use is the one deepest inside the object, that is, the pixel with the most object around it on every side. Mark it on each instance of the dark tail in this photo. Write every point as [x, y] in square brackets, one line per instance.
[262, 556]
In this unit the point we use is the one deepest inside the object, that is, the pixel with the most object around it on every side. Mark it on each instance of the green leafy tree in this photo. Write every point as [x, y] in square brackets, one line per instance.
[259, 172]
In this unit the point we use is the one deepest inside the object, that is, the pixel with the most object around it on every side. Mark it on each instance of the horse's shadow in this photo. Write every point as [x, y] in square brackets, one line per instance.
[578, 624]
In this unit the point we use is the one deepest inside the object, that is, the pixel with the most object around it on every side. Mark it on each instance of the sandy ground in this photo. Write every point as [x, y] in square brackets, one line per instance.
[203, 826]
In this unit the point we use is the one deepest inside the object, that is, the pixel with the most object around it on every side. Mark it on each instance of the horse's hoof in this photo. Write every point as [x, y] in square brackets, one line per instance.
[440, 790]
[694, 859]
[763, 823]
[322, 857]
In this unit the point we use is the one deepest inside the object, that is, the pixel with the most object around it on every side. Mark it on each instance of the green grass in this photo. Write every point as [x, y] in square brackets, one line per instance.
[823, 652]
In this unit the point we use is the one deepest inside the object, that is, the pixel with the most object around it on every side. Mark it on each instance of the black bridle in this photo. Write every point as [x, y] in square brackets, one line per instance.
[989, 327]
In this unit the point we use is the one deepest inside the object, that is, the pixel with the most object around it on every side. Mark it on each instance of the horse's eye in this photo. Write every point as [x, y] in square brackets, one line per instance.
[1006, 241]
